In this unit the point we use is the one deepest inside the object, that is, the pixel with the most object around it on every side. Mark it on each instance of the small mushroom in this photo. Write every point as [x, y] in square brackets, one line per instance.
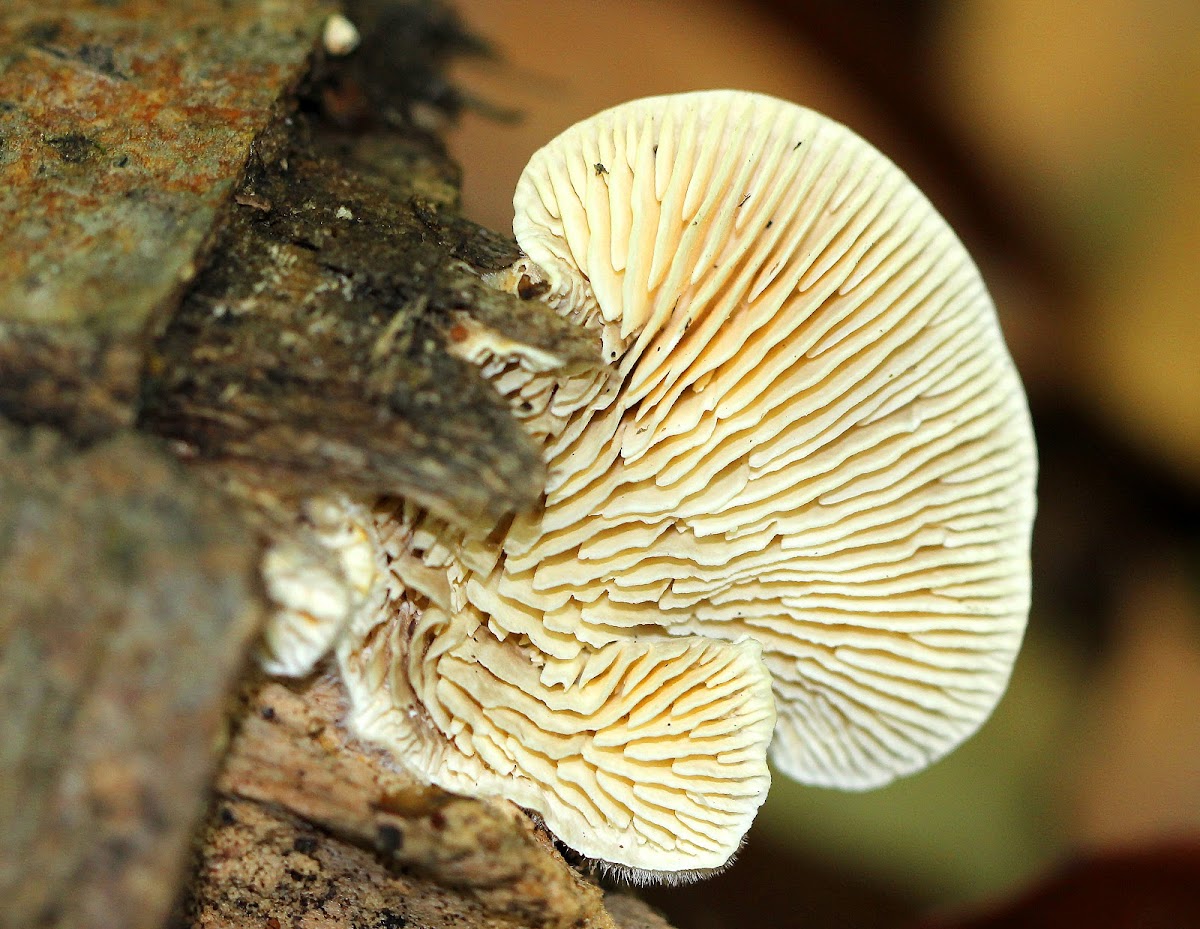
[793, 513]
[340, 36]
[317, 579]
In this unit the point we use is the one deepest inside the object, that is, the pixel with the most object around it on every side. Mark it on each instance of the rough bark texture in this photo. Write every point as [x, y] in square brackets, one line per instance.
[129, 599]
[214, 234]
[123, 130]
[313, 349]
[304, 812]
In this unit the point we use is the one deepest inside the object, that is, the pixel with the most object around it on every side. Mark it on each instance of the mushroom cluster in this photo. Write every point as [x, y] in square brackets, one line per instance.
[791, 516]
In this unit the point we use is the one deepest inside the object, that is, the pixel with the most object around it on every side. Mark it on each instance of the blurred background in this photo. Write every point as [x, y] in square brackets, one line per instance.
[1062, 140]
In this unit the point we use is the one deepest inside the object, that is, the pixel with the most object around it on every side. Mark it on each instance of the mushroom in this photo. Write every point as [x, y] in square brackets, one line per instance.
[316, 580]
[792, 515]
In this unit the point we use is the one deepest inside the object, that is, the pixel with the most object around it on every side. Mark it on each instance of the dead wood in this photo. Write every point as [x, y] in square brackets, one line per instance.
[129, 599]
[295, 786]
[219, 237]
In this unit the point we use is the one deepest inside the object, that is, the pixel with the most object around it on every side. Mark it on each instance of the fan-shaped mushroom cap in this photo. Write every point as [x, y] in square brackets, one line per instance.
[819, 441]
[809, 470]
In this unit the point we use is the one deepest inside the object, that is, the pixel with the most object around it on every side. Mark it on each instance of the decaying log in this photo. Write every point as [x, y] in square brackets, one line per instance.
[218, 236]
[305, 811]
[312, 352]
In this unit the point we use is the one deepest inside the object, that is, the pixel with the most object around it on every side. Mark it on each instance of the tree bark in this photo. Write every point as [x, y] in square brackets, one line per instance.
[224, 246]
[304, 811]
[129, 602]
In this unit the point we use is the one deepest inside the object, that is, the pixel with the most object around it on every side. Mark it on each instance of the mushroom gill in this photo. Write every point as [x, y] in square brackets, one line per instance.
[795, 510]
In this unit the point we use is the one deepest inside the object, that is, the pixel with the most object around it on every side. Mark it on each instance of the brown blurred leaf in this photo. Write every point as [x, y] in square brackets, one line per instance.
[1150, 888]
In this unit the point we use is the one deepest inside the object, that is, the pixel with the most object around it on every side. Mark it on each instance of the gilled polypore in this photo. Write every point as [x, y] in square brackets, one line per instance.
[791, 518]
